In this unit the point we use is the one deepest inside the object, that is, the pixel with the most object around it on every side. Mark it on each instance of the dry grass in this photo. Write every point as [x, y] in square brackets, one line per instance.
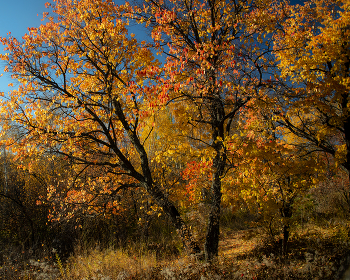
[314, 253]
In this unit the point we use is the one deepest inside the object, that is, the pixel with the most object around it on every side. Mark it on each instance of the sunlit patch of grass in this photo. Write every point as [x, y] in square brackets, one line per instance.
[314, 252]
[111, 263]
[238, 242]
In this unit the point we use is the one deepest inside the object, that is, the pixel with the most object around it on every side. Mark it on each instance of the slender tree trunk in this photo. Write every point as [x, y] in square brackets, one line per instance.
[285, 239]
[175, 217]
[345, 106]
[287, 212]
[213, 231]
[147, 182]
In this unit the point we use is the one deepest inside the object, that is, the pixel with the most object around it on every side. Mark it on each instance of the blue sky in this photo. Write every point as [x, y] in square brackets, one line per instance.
[15, 17]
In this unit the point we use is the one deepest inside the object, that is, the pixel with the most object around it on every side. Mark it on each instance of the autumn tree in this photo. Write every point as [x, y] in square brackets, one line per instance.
[312, 48]
[218, 59]
[83, 95]
[273, 174]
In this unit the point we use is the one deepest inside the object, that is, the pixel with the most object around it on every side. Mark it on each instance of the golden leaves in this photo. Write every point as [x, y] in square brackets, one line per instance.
[70, 69]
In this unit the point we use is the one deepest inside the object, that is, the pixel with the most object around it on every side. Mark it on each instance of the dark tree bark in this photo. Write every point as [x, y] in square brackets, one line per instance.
[286, 212]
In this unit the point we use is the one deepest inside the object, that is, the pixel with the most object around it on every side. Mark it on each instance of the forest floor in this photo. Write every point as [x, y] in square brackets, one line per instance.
[313, 253]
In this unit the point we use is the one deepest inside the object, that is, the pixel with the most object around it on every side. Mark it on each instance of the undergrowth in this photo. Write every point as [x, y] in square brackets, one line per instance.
[313, 253]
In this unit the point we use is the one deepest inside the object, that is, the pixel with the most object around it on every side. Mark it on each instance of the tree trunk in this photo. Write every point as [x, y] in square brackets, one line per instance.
[213, 230]
[286, 212]
[147, 182]
[285, 238]
[169, 208]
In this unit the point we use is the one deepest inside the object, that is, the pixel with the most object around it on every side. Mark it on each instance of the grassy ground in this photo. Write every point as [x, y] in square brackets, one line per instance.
[314, 253]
